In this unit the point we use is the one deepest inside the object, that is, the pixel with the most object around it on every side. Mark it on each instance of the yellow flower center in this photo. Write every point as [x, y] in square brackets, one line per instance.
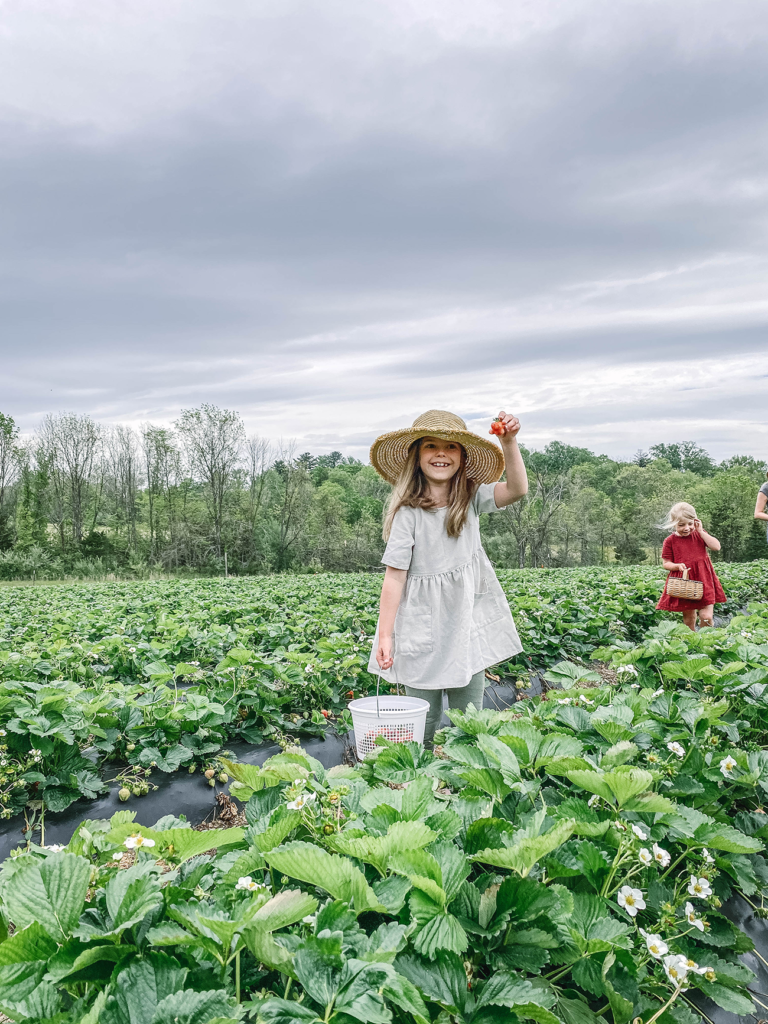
[630, 900]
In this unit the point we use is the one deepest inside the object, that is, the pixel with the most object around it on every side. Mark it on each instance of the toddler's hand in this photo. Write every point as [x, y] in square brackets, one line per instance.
[384, 653]
[505, 425]
[681, 567]
[698, 526]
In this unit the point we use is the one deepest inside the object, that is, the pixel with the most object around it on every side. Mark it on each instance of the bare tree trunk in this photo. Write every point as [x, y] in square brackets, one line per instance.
[213, 440]
[122, 451]
[72, 444]
[9, 439]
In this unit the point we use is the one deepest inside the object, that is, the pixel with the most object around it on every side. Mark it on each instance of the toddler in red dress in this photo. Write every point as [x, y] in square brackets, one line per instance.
[688, 547]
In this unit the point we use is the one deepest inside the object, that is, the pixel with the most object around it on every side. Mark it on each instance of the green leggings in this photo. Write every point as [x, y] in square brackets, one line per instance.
[458, 697]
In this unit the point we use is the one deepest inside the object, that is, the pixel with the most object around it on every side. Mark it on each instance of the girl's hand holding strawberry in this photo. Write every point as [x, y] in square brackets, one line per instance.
[505, 425]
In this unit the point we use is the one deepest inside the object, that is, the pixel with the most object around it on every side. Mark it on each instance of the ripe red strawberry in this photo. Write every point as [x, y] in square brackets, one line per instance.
[350, 693]
[497, 427]
[324, 714]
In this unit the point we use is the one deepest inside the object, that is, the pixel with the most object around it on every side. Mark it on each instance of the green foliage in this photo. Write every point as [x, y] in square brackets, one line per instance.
[163, 675]
[498, 885]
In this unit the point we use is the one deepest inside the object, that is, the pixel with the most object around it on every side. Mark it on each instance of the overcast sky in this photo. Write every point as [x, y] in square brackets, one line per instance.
[332, 215]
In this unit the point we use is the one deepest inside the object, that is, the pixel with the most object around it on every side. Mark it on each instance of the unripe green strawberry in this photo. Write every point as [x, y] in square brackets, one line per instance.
[130, 747]
[211, 782]
[210, 773]
[223, 777]
[123, 794]
[136, 790]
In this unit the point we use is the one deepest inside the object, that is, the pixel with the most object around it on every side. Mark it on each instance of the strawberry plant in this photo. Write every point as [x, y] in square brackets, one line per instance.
[160, 676]
[563, 863]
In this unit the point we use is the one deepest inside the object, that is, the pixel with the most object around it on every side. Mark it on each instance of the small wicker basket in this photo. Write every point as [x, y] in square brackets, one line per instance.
[688, 590]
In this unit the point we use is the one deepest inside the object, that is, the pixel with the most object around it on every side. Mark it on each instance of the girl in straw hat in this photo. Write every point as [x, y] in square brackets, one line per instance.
[443, 617]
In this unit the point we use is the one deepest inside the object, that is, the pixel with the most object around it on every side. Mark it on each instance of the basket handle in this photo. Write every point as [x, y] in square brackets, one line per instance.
[686, 570]
[378, 682]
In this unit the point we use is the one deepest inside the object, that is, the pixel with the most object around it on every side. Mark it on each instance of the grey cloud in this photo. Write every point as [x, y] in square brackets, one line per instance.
[334, 183]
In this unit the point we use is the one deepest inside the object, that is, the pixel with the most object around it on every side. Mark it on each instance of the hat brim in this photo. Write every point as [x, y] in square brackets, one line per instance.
[389, 453]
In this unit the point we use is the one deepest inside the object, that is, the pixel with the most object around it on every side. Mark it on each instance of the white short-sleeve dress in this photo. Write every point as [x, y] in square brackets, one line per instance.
[453, 619]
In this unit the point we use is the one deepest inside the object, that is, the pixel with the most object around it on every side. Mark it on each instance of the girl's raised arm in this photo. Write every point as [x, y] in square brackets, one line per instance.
[515, 487]
[712, 542]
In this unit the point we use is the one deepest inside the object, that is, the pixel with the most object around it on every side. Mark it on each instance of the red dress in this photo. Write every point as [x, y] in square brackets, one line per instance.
[693, 552]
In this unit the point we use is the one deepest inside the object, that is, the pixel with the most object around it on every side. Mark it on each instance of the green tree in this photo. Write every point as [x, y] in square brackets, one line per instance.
[686, 456]
[31, 508]
[726, 505]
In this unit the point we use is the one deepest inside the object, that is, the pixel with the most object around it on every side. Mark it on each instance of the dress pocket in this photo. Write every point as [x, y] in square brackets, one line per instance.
[488, 609]
[413, 631]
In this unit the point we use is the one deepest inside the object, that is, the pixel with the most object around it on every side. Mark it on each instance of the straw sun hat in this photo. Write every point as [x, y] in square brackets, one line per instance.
[485, 461]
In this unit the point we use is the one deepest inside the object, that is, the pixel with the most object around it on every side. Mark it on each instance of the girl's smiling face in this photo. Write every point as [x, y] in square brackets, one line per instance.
[685, 527]
[439, 460]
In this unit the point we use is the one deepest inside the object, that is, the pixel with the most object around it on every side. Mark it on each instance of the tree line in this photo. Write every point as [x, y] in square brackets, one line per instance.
[84, 499]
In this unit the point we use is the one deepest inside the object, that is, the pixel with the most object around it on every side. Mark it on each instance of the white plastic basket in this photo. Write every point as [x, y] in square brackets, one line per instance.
[399, 719]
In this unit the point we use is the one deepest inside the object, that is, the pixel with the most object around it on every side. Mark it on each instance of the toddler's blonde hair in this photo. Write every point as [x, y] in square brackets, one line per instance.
[680, 512]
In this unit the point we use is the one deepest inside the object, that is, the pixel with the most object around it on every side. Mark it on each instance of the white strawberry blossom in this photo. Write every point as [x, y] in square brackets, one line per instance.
[585, 699]
[676, 749]
[630, 899]
[593, 800]
[639, 832]
[54, 848]
[676, 968]
[626, 670]
[301, 801]
[727, 766]
[248, 884]
[117, 856]
[658, 693]
[694, 967]
[657, 947]
[690, 916]
[662, 857]
[137, 841]
[645, 856]
[699, 888]
[708, 858]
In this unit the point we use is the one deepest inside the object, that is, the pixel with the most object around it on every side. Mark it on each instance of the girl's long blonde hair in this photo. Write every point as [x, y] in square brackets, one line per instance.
[679, 512]
[412, 491]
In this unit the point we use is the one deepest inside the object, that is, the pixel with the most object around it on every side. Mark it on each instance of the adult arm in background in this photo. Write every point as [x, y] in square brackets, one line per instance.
[762, 501]
[391, 592]
[515, 487]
